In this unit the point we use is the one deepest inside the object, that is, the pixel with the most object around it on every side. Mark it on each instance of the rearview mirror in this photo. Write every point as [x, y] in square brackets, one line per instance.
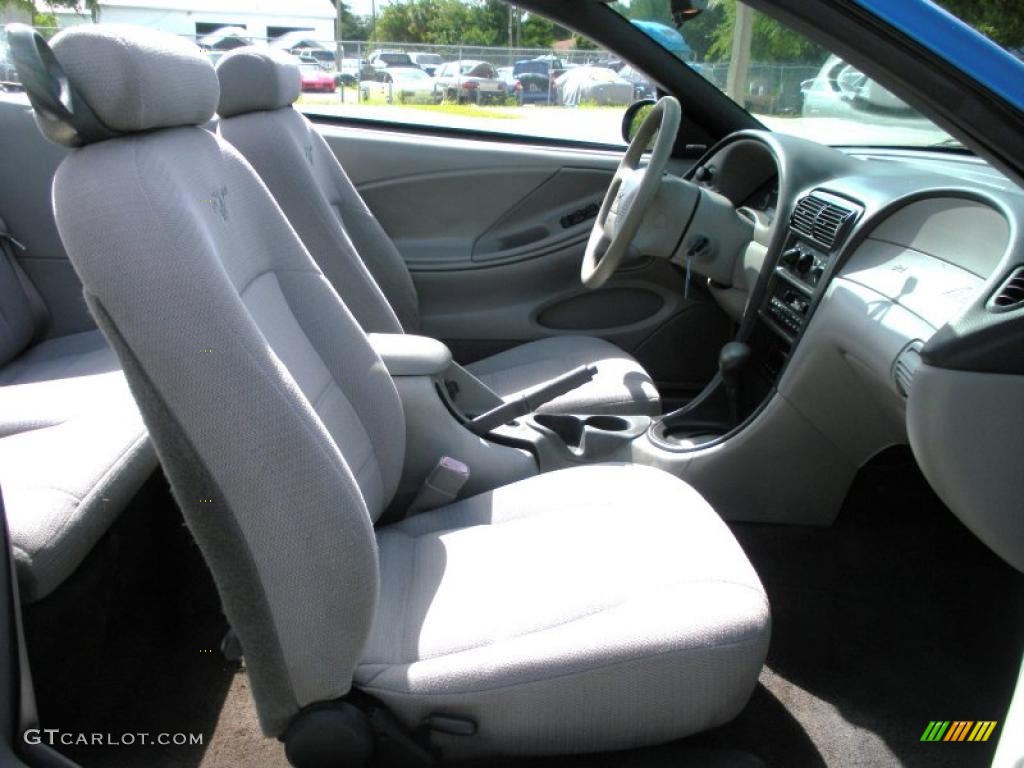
[687, 10]
[634, 117]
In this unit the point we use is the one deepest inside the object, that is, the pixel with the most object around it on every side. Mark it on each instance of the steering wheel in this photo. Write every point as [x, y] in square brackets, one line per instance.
[631, 193]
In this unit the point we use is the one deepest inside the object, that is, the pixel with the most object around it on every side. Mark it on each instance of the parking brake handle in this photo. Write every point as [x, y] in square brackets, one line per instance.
[532, 399]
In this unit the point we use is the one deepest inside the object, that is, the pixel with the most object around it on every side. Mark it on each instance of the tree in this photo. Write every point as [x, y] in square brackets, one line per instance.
[1001, 20]
[45, 18]
[457, 22]
[771, 41]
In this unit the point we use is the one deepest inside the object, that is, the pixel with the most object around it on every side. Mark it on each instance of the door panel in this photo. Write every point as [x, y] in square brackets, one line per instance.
[494, 233]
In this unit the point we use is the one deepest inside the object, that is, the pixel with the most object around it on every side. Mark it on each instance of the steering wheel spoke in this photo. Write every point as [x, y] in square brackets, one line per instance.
[630, 193]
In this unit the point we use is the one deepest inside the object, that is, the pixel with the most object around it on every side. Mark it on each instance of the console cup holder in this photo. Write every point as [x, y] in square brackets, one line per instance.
[591, 436]
[607, 423]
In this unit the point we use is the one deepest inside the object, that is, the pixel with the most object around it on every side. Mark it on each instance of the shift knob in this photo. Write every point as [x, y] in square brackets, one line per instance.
[731, 361]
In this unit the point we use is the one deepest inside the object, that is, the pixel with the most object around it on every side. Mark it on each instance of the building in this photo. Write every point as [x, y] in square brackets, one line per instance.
[261, 19]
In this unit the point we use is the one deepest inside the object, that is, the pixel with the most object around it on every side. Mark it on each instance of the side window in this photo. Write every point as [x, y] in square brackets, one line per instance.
[480, 66]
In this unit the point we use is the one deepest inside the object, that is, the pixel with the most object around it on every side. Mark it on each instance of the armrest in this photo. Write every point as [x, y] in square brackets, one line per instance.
[407, 355]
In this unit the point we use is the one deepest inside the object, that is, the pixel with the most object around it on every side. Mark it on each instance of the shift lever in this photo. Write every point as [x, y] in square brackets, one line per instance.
[732, 360]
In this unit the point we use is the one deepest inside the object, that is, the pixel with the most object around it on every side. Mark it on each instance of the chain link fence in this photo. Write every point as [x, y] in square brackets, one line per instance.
[772, 89]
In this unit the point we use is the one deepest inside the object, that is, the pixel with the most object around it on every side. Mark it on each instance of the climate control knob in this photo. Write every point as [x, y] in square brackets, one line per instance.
[791, 256]
[804, 263]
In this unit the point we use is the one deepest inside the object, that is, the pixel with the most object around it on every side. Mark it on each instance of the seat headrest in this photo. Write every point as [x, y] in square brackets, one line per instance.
[254, 79]
[96, 81]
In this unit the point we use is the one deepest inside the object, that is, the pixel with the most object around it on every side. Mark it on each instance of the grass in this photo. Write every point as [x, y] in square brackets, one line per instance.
[496, 112]
[470, 110]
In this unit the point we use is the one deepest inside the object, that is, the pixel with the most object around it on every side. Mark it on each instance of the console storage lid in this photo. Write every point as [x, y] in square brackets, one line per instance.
[408, 355]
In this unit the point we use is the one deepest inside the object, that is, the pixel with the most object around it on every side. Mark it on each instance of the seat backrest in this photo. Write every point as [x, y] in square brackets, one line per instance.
[258, 87]
[277, 424]
[20, 314]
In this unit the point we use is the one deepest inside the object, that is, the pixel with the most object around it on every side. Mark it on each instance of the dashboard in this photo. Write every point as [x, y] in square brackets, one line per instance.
[883, 299]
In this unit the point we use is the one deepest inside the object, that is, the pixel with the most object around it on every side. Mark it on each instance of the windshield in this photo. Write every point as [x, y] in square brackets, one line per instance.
[790, 83]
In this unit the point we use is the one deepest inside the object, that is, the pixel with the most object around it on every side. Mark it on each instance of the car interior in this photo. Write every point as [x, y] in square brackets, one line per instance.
[350, 443]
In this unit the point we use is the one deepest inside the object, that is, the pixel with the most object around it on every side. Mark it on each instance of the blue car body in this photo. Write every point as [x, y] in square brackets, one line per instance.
[956, 42]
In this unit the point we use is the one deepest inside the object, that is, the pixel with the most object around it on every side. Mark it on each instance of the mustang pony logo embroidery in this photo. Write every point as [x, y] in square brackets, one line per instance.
[218, 202]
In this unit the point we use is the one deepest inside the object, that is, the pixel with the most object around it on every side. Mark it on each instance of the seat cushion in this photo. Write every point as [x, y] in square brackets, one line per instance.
[57, 379]
[621, 385]
[594, 608]
[73, 451]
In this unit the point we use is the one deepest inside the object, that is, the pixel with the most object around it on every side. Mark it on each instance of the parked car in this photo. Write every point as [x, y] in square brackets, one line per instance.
[532, 83]
[324, 58]
[592, 85]
[507, 76]
[401, 84]
[469, 80]
[378, 61]
[348, 76]
[428, 62]
[643, 86]
[315, 79]
[841, 90]
[225, 39]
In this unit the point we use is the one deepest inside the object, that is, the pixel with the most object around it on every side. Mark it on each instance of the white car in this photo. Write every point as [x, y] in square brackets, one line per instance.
[841, 90]
[469, 81]
[400, 85]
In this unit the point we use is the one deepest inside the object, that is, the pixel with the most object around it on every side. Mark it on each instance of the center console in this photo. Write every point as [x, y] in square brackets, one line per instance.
[818, 229]
[451, 415]
[749, 369]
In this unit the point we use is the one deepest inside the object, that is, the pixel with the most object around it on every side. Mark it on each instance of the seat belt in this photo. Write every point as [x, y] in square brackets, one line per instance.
[40, 316]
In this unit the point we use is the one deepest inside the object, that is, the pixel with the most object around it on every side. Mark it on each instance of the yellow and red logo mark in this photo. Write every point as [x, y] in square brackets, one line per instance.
[959, 730]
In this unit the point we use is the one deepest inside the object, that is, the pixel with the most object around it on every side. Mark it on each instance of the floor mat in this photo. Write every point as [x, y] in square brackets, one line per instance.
[894, 617]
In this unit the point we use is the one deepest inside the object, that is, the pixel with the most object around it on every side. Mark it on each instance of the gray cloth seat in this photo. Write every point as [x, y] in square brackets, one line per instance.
[65, 483]
[73, 448]
[258, 87]
[625, 591]
[613, 591]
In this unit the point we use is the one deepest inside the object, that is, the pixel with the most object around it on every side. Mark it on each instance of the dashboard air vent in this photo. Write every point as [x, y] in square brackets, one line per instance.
[820, 220]
[1010, 294]
[906, 365]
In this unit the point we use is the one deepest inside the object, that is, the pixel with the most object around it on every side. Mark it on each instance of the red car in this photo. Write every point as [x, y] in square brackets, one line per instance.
[316, 79]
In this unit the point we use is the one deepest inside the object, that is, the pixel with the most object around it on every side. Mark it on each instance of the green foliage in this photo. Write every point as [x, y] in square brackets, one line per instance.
[454, 22]
[44, 18]
[772, 42]
[1000, 20]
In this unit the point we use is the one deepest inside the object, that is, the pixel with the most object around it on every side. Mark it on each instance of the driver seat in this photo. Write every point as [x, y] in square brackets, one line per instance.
[257, 89]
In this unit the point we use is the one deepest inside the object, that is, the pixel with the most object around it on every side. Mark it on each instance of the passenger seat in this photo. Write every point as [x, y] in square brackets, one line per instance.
[258, 87]
[73, 448]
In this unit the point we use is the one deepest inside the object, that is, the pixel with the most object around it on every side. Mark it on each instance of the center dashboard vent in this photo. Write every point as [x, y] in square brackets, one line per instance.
[1010, 294]
[821, 220]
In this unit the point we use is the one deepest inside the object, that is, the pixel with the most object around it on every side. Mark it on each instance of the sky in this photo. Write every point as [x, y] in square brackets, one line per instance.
[362, 7]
